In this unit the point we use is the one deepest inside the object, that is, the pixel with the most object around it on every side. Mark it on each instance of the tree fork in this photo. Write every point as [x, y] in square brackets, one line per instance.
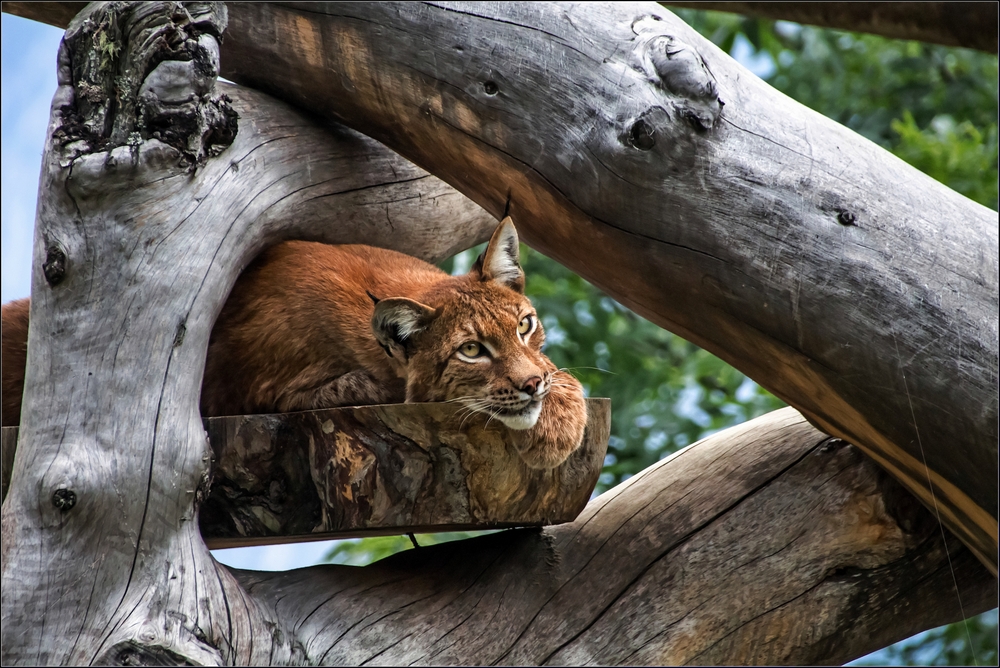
[156, 190]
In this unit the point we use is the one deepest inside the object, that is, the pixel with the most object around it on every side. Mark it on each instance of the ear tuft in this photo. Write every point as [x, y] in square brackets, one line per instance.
[501, 260]
[396, 320]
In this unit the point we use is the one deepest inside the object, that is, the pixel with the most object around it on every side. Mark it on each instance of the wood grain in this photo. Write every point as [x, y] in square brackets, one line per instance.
[152, 237]
[376, 470]
[379, 470]
[968, 24]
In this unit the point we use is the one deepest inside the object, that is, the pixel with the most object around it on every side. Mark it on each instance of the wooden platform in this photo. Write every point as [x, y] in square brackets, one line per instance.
[377, 470]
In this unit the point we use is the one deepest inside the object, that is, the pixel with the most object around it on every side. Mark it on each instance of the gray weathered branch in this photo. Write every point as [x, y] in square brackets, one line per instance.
[769, 543]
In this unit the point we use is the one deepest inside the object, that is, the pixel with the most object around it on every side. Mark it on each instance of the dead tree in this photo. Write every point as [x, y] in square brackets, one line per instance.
[832, 273]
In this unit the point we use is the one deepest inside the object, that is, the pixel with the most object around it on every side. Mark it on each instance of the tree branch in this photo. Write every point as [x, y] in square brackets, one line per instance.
[968, 24]
[823, 548]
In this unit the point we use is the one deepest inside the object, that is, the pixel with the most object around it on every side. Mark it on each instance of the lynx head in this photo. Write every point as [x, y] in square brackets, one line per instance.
[473, 339]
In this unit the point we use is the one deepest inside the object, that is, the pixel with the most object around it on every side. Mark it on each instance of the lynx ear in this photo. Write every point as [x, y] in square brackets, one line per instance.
[501, 260]
[396, 320]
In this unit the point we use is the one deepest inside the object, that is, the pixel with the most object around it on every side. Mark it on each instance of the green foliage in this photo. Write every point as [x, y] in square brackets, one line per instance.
[934, 107]
[958, 154]
[364, 551]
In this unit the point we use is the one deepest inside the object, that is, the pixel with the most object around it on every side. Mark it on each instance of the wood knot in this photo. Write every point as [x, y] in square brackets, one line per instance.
[846, 218]
[682, 71]
[64, 499]
[641, 135]
[54, 267]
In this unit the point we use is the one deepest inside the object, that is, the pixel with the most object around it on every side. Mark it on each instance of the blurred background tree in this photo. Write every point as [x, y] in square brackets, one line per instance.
[934, 107]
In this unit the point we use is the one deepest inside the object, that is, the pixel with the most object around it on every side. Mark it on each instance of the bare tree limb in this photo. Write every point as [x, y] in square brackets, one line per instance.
[156, 190]
[768, 543]
[967, 24]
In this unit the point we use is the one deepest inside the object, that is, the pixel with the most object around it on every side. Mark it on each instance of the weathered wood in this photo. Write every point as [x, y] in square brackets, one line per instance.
[968, 24]
[138, 240]
[856, 288]
[899, 272]
[57, 14]
[768, 543]
[379, 470]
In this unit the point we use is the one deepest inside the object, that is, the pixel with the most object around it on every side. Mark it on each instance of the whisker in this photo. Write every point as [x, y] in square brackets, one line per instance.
[569, 370]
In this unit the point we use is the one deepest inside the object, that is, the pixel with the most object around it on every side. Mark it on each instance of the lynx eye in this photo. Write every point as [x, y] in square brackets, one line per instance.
[471, 349]
[524, 326]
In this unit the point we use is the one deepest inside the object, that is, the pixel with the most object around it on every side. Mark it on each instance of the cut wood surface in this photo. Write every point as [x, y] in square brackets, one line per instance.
[968, 24]
[851, 285]
[379, 470]
[768, 543]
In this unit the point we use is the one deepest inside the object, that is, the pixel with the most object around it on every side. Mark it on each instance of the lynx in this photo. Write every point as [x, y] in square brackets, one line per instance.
[310, 325]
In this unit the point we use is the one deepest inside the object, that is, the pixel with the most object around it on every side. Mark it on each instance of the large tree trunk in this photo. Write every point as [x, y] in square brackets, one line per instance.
[767, 543]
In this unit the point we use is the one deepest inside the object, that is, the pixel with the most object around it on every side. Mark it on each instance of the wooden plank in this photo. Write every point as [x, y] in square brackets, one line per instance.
[379, 470]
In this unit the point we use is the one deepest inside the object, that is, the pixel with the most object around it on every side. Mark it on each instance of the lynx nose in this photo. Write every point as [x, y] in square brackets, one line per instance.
[531, 385]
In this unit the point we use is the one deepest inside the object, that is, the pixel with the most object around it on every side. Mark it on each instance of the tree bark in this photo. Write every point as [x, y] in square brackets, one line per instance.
[151, 202]
[972, 25]
[848, 283]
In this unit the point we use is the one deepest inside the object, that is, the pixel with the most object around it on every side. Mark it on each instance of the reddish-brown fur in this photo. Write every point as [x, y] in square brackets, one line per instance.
[297, 333]
[13, 357]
